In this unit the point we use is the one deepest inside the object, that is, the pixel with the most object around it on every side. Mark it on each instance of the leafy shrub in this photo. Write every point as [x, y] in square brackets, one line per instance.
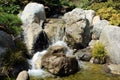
[84, 3]
[98, 50]
[115, 19]
[11, 23]
[109, 10]
[110, 14]
[10, 6]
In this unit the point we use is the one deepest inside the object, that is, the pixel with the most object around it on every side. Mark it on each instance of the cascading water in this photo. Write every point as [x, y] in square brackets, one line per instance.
[58, 40]
[38, 72]
[59, 36]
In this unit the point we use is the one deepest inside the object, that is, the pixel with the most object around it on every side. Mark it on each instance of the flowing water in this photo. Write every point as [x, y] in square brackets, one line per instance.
[38, 72]
[34, 71]
[89, 71]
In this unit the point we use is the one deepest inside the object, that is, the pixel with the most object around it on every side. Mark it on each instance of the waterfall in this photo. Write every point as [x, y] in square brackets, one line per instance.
[59, 36]
[35, 69]
[38, 72]
[57, 40]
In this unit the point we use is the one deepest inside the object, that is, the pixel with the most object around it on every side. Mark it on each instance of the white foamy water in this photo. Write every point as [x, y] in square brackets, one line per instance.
[62, 43]
[36, 66]
[35, 57]
[35, 71]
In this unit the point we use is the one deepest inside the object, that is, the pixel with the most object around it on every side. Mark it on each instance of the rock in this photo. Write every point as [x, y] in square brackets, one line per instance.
[95, 20]
[23, 75]
[73, 34]
[77, 30]
[6, 42]
[89, 16]
[84, 54]
[33, 13]
[75, 15]
[97, 29]
[99, 60]
[114, 68]
[110, 37]
[31, 33]
[86, 57]
[57, 63]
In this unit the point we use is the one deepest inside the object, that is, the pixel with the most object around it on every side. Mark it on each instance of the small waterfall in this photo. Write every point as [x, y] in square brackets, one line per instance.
[59, 36]
[38, 72]
[34, 71]
[57, 40]
[41, 42]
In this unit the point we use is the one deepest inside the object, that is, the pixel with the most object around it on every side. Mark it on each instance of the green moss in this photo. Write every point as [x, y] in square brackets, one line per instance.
[90, 72]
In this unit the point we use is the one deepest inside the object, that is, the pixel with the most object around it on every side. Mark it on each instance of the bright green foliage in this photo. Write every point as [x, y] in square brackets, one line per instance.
[85, 3]
[109, 10]
[10, 6]
[115, 19]
[98, 50]
[110, 14]
[11, 23]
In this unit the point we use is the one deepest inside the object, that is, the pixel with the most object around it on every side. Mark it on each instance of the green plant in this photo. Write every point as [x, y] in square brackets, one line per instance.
[98, 50]
[110, 14]
[11, 23]
[115, 19]
[10, 6]
[109, 10]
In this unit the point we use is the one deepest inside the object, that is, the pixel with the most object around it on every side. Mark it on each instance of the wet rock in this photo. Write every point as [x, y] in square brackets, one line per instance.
[6, 42]
[23, 75]
[84, 54]
[56, 62]
[86, 57]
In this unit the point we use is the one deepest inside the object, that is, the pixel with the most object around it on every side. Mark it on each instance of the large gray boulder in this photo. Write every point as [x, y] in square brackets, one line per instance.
[33, 17]
[98, 27]
[56, 61]
[33, 12]
[23, 75]
[77, 28]
[110, 37]
[6, 42]
[31, 33]
[75, 15]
